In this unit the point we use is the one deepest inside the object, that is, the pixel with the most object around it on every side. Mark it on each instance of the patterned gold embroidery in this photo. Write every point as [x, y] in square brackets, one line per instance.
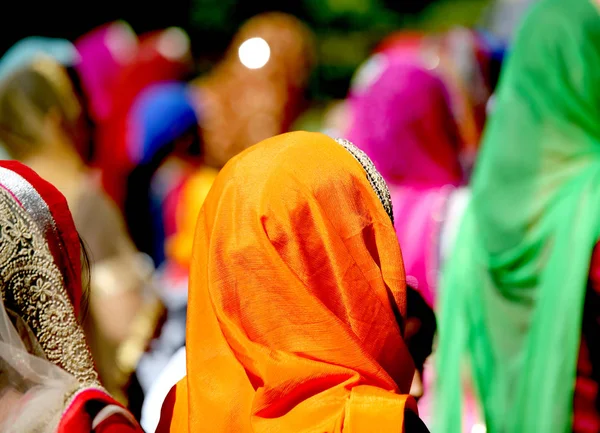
[32, 286]
[375, 179]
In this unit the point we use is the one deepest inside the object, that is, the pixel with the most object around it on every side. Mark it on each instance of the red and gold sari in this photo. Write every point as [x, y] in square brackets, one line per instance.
[48, 382]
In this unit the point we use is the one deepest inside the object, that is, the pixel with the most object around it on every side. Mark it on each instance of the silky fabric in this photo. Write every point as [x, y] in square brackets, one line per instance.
[160, 115]
[27, 95]
[401, 117]
[408, 41]
[162, 122]
[48, 379]
[65, 247]
[297, 299]
[461, 57]
[180, 208]
[28, 49]
[504, 17]
[161, 56]
[513, 290]
[104, 52]
[242, 106]
[193, 193]
[39, 119]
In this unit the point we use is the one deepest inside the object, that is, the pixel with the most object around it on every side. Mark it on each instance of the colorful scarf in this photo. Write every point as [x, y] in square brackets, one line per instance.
[513, 291]
[297, 297]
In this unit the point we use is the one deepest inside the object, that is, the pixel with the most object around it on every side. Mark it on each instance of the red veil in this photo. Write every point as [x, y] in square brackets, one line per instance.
[49, 381]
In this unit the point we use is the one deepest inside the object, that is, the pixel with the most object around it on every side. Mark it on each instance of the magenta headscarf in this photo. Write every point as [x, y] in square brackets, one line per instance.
[401, 117]
[104, 52]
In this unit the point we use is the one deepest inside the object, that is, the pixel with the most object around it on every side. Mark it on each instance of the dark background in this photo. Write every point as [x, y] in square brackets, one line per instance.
[346, 30]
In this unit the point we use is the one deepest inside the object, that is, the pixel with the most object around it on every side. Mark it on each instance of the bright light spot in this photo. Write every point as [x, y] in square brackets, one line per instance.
[478, 428]
[254, 53]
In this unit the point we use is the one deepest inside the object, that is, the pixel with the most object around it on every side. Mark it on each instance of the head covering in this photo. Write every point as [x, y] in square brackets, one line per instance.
[409, 42]
[49, 381]
[402, 120]
[28, 96]
[104, 52]
[160, 116]
[26, 50]
[162, 56]
[50, 207]
[401, 117]
[513, 291]
[297, 296]
[257, 90]
[41, 271]
[462, 58]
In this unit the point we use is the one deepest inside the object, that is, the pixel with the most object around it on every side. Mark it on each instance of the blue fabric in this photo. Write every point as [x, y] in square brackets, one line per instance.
[160, 115]
[26, 50]
[496, 45]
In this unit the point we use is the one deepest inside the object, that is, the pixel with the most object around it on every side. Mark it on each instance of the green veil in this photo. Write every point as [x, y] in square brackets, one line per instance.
[512, 292]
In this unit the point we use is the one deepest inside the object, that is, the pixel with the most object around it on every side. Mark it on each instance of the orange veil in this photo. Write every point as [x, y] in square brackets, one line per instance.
[297, 298]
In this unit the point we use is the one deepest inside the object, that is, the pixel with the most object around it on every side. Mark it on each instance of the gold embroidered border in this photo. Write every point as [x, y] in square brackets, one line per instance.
[32, 286]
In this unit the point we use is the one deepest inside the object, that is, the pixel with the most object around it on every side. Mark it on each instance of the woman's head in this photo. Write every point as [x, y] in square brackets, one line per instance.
[28, 49]
[297, 281]
[41, 267]
[38, 108]
[161, 122]
[462, 58]
[161, 56]
[279, 43]
[401, 117]
[257, 90]
[161, 116]
[104, 52]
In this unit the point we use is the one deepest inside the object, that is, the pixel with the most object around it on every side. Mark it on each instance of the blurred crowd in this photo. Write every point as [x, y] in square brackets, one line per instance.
[447, 281]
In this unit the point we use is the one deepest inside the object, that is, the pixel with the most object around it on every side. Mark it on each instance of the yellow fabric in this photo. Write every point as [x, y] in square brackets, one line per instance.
[195, 190]
[297, 298]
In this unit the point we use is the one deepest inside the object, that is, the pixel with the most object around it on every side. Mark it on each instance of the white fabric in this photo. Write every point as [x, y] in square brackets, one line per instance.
[32, 389]
[173, 373]
[457, 204]
[107, 411]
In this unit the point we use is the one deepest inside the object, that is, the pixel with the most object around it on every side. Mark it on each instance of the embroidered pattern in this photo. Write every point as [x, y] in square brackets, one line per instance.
[32, 286]
[375, 179]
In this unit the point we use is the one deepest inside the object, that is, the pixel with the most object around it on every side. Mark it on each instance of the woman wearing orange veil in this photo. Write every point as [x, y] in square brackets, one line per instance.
[297, 299]
[257, 91]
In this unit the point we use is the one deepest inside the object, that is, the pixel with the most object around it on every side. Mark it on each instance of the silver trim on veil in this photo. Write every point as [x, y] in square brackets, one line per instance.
[374, 177]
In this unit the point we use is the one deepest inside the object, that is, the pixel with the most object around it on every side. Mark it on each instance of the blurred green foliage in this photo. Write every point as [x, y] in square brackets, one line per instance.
[346, 30]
